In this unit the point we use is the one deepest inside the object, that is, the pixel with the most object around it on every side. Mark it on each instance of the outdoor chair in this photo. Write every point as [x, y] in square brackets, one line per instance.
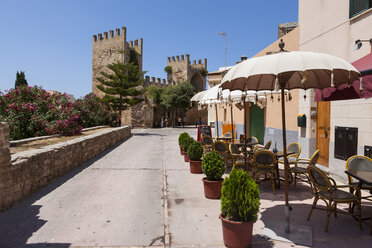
[237, 156]
[292, 158]
[266, 146]
[264, 163]
[252, 140]
[326, 189]
[359, 163]
[300, 167]
[207, 143]
[222, 149]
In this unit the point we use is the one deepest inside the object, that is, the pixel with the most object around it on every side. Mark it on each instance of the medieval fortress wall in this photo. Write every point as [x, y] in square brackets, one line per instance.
[111, 47]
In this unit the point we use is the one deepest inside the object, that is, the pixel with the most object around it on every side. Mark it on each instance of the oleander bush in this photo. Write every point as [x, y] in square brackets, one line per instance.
[94, 113]
[32, 111]
[213, 166]
[240, 198]
[195, 151]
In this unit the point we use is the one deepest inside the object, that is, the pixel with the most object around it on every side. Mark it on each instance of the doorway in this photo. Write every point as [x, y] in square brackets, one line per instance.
[257, 123]
[323, 132]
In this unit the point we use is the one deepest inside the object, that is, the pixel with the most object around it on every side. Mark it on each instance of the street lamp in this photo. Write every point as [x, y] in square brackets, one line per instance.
[358, 43]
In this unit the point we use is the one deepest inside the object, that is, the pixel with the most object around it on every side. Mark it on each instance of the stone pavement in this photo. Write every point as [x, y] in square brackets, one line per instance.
[141, 194]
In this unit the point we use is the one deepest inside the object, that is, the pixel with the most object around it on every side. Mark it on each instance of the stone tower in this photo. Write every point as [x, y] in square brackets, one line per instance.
[112, 47]
[183, 70]
[107, 48]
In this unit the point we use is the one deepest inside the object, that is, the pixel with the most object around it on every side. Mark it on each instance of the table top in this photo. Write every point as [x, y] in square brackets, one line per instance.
[363, 176]
[224, 138]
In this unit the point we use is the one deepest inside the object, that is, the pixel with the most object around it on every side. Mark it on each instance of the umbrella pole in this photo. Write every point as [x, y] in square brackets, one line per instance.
[287, 207]
[232, 123]
[216, 120]
[245, 136]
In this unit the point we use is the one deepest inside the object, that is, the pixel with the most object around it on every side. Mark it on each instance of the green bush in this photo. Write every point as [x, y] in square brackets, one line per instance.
[181, 138]
[240, 198]
[187, 142]
[195, 151]
[213, 166]
[168, 69]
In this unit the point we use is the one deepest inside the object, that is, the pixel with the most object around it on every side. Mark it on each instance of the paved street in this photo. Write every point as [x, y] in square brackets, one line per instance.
[141, 194]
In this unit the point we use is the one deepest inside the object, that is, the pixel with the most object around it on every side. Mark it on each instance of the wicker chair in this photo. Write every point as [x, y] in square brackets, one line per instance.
[300, 167]
[207, 143]
[266, 146]
[237, 157]
[326, 189]
[222, 149]
[264, 163]
[293, 158]
[359, 163]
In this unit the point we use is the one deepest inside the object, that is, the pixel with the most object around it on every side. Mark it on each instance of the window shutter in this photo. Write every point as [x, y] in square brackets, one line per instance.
[358, 6]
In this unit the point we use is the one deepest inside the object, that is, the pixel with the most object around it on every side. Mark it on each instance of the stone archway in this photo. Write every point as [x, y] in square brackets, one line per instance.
[197, 81]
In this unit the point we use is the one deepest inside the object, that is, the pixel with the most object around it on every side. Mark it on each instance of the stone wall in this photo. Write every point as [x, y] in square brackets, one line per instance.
[25, 172]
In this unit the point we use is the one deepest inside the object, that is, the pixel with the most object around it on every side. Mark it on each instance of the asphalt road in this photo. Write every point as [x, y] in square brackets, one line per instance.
[137, 194]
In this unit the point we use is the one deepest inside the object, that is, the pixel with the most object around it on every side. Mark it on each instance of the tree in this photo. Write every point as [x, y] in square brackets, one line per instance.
[154, 94]
[177, 98]
[20, 79]
[122, 87]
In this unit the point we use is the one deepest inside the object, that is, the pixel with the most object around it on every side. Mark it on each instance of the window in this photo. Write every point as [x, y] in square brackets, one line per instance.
[359, 6]
[346, 142]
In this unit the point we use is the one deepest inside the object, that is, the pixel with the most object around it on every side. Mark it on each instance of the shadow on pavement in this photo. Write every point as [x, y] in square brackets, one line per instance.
[18, 223]
[259, 241]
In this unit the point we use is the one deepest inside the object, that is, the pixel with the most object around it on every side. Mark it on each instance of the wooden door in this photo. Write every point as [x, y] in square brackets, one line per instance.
[323, 132]
[257, 123]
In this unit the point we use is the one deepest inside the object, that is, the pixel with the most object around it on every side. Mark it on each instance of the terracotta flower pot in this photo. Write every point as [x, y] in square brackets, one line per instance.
[236, 234]
[186, 157]
[212, 189]
[181, 151]
[196, 167]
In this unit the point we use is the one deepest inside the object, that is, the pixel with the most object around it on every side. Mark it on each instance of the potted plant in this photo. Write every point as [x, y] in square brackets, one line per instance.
[181, 139]
[213, 167]
[240, 203]
[185, 145]
[195, 152]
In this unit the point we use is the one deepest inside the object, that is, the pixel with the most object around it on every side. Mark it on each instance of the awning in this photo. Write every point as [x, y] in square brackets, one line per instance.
[345, 92]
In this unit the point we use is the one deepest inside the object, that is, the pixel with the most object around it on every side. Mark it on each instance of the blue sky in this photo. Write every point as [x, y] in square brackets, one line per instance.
[52, 40]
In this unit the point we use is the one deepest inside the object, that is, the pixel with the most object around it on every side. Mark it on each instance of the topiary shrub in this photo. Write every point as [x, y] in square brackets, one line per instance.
[213, 166]
[240, 198]
[195, 151]
[181, 138]
[186, 143]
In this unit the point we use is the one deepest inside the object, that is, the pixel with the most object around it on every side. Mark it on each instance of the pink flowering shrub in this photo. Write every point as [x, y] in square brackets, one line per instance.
[31, 111]
[94, 113]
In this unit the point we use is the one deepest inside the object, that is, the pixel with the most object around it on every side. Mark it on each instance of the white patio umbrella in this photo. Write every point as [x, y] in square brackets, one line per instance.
[289, 70]
[198, 96]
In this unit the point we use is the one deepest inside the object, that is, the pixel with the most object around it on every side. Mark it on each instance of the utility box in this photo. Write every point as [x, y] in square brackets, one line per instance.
[301, 120]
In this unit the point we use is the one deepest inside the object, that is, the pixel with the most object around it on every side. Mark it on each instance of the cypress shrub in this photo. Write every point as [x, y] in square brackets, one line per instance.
[181, 138]
[240, 198]
[195, 151]
[186, 143]
[213, 166]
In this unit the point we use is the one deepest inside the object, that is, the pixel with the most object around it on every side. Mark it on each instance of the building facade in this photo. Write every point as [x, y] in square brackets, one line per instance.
[334, 29]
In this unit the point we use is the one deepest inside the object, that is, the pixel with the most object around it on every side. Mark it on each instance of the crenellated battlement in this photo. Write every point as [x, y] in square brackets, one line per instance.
[136, 43]
[179, 58]
[152, 81]
[106, 36]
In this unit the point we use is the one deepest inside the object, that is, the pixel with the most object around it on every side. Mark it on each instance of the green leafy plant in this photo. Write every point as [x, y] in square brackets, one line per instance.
[186, 143]
[195, 151]
[240, 198]
[203, 72]
[93, 112]
[32, 111]
[213, 166]
[168, 69]
[181, 138]
[20, 79]
[122, 86]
